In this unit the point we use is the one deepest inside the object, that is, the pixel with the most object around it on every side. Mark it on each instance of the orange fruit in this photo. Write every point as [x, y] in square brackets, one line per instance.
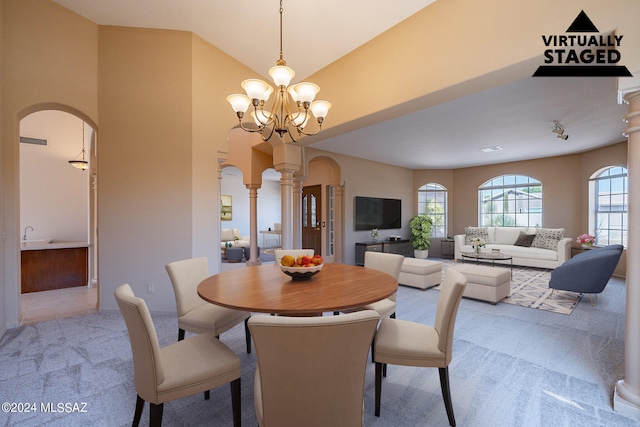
[287, 261]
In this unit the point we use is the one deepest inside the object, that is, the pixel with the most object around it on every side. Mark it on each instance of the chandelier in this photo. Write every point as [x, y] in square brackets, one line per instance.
[82, 164]
[280, 118]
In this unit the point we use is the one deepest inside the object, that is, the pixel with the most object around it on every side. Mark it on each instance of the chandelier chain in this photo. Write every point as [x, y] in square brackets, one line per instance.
[281, 61]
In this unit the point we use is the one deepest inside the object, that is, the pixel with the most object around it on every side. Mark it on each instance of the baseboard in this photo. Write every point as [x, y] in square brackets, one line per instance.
[622, 405]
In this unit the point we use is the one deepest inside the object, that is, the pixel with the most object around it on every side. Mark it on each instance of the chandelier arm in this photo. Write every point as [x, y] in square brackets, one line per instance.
[310, 134]
[291, 134]
[262, 124]
[249, 129]
[266, 138]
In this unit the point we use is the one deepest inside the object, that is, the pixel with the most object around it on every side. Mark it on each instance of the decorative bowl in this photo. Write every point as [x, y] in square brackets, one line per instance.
[301, 273]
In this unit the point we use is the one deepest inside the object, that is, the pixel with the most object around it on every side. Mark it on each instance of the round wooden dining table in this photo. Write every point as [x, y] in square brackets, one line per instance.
[266, 289]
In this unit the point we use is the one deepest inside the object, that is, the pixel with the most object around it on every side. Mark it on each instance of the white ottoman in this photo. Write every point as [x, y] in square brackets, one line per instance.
[485, 283]
[420, 273]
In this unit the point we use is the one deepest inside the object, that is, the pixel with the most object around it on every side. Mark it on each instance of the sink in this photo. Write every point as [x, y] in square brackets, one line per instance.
[35, 242]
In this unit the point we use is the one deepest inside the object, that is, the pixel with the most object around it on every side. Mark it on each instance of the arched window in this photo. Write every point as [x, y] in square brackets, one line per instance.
[609, 201]
[510, 201]
[432, 201]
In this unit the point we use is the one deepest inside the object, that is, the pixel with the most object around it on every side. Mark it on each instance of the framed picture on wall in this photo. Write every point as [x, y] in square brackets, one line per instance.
[225, 208]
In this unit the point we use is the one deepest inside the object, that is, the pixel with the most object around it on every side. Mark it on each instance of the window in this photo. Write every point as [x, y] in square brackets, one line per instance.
[510, 201]
[609, 205]
[432, 201]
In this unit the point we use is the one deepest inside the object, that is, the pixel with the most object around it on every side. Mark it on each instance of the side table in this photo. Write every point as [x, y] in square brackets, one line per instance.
[447, 248]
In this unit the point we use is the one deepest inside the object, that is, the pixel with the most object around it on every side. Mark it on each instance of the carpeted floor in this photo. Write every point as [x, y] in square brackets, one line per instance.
[511, 367]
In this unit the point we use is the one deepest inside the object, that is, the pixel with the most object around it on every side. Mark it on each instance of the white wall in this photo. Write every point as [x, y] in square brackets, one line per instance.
[268, 202]
[54, 196]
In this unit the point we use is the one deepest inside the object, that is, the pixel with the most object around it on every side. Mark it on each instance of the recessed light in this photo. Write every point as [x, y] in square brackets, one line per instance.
[490, 149]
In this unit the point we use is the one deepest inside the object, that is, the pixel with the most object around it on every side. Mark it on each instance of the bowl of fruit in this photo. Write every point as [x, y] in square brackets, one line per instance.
[303, 267]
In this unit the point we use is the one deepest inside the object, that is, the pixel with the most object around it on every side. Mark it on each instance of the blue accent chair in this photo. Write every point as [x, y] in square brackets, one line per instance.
[588, 272]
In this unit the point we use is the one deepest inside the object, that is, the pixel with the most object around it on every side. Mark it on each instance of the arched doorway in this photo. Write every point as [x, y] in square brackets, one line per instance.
[324, 176]
[57, 219]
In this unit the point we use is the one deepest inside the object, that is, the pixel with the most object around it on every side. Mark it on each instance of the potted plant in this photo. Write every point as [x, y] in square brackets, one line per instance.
[420, 226]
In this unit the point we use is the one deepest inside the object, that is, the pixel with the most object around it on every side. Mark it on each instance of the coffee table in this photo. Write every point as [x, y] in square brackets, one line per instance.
[488, 256]
[266, 289]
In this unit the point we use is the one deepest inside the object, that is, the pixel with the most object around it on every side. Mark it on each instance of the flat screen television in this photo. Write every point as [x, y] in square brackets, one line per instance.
[374, 212]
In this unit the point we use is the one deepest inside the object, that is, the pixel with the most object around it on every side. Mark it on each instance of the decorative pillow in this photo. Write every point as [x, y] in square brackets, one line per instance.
[473, 232]
[236, 234]
[524, 240]
[547, 238]
[226, 234]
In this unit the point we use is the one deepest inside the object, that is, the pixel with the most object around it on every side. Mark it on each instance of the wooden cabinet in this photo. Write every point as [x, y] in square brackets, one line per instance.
[402, 247]
[48, 269]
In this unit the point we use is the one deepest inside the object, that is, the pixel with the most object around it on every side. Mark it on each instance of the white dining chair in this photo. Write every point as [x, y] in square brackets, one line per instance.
[195, 314]
[400, 342]
[311, 370]
[184, 368]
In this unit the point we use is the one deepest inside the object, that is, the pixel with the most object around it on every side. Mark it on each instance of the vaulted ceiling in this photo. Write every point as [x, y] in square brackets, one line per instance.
[517, 117]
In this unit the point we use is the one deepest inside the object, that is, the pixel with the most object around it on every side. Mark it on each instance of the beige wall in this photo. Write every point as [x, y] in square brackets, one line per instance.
[565, 188]
[51, 62]
[214, 76]
[163, 101]
[3, 265]
[144, 195]
[367, 178]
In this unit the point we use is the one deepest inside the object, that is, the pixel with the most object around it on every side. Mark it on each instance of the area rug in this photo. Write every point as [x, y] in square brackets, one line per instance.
[530, 288]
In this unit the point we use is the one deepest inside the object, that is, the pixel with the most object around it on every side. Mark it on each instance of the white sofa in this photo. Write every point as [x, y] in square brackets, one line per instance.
[233, 236]
[504, 238]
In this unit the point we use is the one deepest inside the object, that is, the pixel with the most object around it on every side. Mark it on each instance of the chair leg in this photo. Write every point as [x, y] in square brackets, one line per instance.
[446, 394]
[235, 402]
[138, 413]
[247, 335]
[156, 415]
[378, 387]
[384, 370]
[207, 394]
[180, 334]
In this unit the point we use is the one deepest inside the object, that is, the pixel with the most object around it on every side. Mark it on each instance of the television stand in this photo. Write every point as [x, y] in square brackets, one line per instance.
[402, 247]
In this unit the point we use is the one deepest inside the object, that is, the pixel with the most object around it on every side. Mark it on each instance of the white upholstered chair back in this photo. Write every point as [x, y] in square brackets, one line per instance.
[311, 370]
[185, 276]
[147, 362]
[385, 262]
[447, 310]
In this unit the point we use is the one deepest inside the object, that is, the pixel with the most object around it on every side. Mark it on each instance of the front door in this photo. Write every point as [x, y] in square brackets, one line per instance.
[312, 218]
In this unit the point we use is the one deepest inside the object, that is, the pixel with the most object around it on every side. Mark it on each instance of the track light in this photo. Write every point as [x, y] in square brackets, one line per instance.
[559, 131]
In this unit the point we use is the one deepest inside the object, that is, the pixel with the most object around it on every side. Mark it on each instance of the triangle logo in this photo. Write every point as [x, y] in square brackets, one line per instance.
[582, 55]
[582, 24]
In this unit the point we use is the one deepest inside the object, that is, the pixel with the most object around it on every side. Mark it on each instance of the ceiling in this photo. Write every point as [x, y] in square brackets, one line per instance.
[518, 117]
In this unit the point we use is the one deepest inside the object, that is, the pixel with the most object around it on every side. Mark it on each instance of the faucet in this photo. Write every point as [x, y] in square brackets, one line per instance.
[25, 232]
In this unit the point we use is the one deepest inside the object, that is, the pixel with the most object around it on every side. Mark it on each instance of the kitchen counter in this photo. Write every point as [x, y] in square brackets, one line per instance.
[39, 246]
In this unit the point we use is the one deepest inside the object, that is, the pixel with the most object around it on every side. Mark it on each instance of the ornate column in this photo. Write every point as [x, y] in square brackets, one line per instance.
[338, 222]
[297, 212]
[626, 399]
[286, 191]
[253, 225]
